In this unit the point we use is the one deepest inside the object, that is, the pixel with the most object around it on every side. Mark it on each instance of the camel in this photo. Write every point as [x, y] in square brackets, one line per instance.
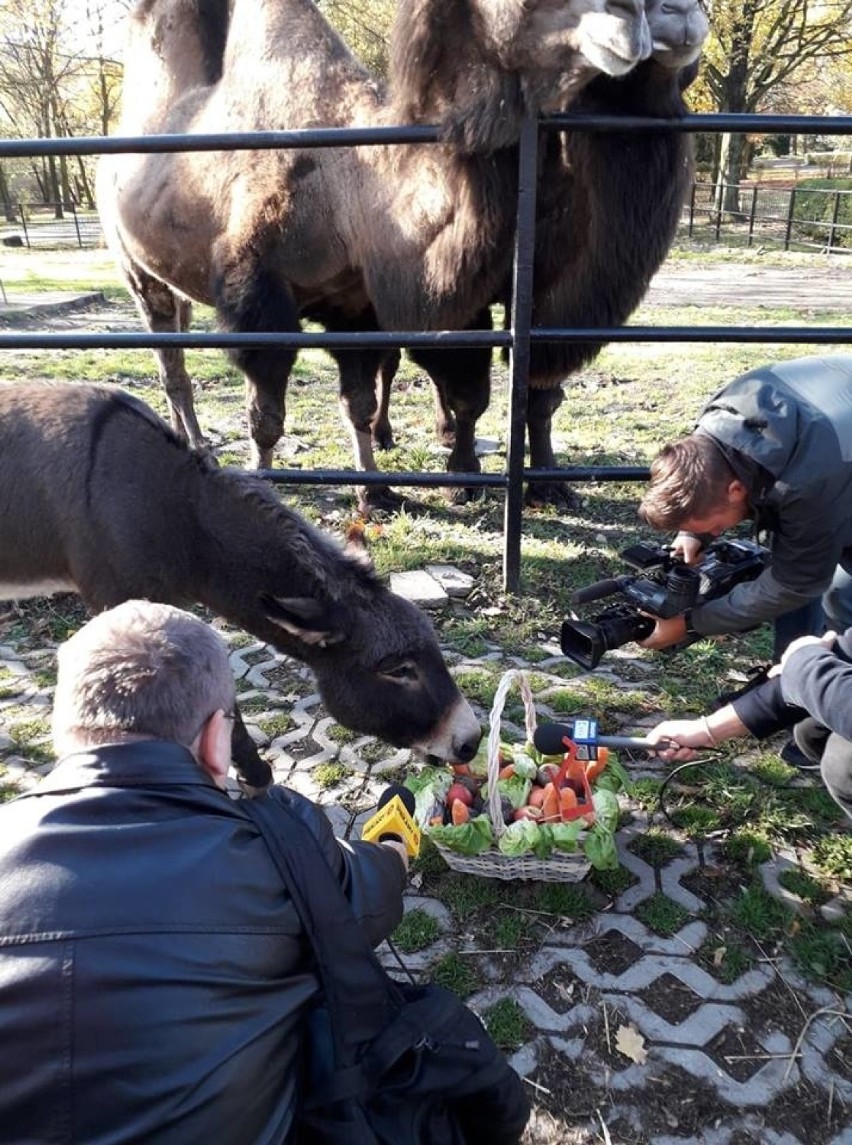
[396, 237]
[608, 206]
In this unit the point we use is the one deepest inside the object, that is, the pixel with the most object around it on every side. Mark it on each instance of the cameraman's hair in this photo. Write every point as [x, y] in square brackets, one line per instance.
[140, 669]
[689, 478]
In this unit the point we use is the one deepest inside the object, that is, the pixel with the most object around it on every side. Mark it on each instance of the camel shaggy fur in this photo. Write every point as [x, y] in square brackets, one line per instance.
[399, 237]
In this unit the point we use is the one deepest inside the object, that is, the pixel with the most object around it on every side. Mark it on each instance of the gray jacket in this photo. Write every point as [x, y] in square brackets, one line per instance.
[786, 430]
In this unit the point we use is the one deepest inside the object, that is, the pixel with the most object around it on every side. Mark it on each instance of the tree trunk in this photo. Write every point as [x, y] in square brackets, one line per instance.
[5, 196]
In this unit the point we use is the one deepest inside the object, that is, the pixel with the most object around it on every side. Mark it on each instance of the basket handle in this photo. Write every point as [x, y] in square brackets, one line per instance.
[508, 679]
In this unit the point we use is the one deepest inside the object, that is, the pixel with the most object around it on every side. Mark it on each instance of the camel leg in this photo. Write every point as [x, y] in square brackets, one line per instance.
[164, 312]
[250, 298]
[445, 422]
[381, 430]
[358, 407]
[541, 406]
[462, 380]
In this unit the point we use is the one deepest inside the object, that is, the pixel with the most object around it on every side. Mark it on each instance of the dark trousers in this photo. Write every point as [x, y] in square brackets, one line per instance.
[809, 620]
[833, 753]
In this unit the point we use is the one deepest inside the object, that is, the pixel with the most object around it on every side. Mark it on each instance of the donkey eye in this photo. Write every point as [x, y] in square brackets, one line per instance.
[404, 671]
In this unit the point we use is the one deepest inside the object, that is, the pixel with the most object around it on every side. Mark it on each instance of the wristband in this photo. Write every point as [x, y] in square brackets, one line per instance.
[706, 725]
[687, 620]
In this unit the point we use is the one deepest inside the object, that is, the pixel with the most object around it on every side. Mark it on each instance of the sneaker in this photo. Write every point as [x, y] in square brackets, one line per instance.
[793, 755]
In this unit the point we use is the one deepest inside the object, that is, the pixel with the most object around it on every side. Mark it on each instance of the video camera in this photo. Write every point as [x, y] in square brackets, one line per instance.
[665, 587]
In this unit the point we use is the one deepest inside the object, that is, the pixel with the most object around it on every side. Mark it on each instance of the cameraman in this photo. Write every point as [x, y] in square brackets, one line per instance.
[775, 445]
[811, 689]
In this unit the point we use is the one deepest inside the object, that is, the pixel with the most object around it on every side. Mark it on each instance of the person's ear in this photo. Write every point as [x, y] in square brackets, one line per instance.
[737, 493]
[214, 747]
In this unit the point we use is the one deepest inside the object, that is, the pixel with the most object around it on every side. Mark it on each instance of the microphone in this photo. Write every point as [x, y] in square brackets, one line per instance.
[548, 739]
[394, 819]
[599, 589]
[397, 791]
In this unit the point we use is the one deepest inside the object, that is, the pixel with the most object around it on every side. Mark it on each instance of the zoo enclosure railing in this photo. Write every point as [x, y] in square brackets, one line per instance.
[518, 338]
[792, 218]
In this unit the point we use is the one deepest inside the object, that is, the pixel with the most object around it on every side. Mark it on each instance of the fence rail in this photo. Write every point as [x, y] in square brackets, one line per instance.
[521, 334]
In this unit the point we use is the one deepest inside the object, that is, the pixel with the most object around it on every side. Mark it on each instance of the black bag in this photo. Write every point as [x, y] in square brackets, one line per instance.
[387, 1063]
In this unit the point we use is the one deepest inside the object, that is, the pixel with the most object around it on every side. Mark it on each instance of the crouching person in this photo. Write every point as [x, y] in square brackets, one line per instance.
[810, 691]
[153, 970]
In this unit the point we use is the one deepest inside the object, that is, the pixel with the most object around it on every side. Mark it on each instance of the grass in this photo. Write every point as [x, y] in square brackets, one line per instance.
[455, 973]
[726, 957]
[507, 1024]
[655, 847]
[662, 915]
[328, 775]
[417, 930]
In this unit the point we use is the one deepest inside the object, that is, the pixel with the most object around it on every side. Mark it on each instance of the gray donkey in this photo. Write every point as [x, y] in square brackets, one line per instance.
[99, 496]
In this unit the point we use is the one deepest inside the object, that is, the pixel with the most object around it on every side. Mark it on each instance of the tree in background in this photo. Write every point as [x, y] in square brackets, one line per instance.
[756, 53]
[365, 26]
[56, 80]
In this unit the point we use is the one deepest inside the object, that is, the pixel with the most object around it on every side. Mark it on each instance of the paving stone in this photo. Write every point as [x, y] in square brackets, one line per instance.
[453, 581]
[419, 587]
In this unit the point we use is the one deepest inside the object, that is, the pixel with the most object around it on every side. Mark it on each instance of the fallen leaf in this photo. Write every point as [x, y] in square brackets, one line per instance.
[630, 1042]
[718, 954]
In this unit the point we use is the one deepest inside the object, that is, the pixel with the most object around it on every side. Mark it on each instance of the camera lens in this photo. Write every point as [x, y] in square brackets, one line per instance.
[682, 585]
[585, 643]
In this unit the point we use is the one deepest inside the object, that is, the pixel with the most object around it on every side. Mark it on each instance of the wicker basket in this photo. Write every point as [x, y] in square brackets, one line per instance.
[560, 866]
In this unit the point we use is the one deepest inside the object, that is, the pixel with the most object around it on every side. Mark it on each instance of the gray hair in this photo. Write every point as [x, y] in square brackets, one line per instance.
[140, 669]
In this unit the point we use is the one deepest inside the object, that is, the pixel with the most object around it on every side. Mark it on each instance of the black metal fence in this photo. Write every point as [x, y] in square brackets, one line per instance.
[805, 218]
[44, 225]
[518, 338]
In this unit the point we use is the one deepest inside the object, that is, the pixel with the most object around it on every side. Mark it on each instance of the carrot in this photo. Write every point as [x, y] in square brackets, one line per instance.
[596, 766]
[461, 769]
[460, 812]
[506, 772]
[550, 803]
[567, 802]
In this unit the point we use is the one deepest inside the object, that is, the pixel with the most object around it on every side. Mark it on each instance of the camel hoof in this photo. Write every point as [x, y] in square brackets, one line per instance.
[554, 493]
[378, 498]
[382, 439]
[461, 495]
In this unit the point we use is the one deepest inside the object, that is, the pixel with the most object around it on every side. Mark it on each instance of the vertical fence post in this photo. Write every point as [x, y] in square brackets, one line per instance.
[692, 208]
[23, 214]
[77, 225]
[752, 213]
[519, 364]
[719, 203]
[835, 214]
[790, 210]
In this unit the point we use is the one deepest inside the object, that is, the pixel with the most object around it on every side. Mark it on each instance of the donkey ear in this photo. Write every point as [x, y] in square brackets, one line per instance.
[303, 617]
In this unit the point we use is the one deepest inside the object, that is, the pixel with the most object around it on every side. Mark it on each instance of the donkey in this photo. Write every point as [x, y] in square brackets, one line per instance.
[99, 496]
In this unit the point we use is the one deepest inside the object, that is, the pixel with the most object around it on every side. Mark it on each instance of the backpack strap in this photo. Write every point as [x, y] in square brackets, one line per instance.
[360, 995]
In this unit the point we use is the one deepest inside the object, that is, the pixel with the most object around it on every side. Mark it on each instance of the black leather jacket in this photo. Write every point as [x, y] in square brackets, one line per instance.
[152, 967]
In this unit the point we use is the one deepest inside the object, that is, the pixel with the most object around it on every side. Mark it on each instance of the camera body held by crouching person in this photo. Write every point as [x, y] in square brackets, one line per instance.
[664, 586]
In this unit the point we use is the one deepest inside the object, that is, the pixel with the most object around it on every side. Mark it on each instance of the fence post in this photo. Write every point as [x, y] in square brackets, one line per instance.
[519, 363]
[834, 217]
[77, 225]
[23, 215]
[790, 210]
[691, 208]
[752, 213]
[720, 199]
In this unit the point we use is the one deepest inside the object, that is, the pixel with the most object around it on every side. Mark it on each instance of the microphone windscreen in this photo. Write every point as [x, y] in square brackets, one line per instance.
[548, 738]
[596, 591]
[406, 797]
